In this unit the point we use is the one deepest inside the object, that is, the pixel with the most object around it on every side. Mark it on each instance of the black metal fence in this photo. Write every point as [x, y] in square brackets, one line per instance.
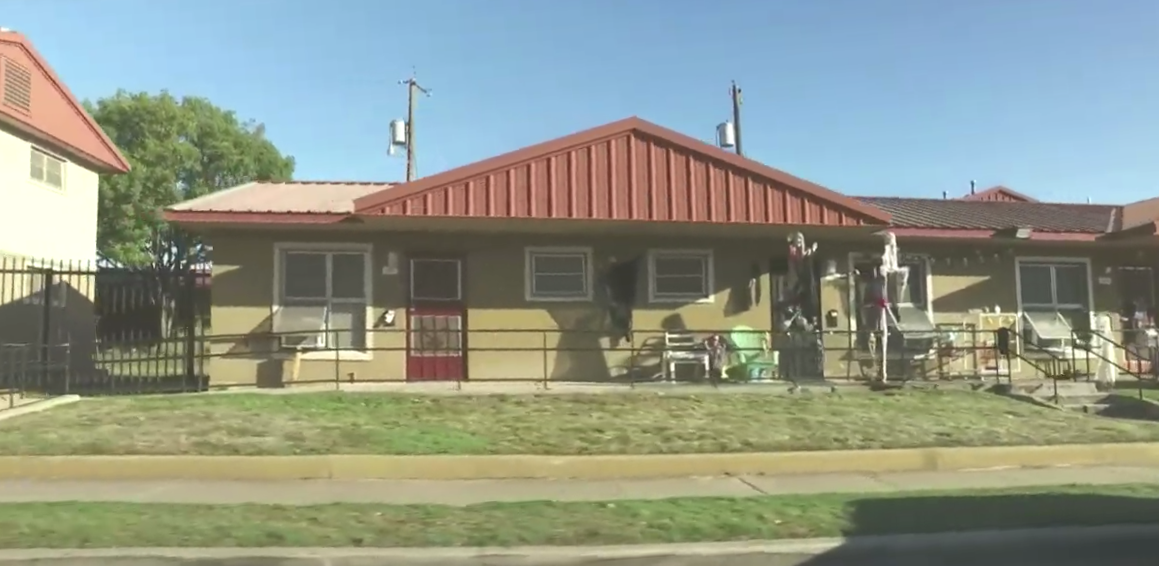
[447, 353]
[82, 327]
[78, 327]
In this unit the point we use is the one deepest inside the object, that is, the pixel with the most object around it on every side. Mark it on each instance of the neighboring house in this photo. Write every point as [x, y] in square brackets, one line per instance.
[497, 268]
[51, 153]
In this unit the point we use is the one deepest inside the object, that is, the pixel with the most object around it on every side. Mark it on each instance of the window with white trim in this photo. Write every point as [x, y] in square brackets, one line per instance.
[46, 168]
[1049, 289]
[322, 298]
[558, 274]
[679, 276]
[1054, 286]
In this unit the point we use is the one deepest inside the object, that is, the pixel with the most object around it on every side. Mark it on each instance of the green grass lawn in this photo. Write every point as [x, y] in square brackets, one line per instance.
[94, 525]
[636, 423]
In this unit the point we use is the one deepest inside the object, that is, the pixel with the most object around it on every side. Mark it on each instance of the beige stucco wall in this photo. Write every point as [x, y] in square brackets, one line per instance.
[509, 338]
[966, 279]
[500, 321]
[39, 221]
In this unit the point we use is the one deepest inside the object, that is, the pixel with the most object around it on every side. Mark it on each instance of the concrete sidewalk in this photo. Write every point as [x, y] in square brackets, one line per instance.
[309, 492]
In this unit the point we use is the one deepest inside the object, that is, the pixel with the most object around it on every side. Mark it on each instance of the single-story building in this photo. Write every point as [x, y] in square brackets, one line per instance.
[501, 269]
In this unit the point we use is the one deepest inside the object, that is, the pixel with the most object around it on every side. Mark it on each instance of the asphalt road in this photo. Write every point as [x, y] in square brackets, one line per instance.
[1096, 546]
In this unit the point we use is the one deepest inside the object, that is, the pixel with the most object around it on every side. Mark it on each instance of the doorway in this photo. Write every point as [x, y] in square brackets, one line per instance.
[1136, 286]
[435, 330]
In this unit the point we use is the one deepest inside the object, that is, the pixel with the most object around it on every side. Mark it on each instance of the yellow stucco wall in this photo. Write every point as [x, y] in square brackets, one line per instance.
[500, 322]
[509, 338]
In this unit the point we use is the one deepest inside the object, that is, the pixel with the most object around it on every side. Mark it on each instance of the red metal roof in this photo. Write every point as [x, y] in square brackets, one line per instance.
[999, 194]
[627, 170]
[51, 113]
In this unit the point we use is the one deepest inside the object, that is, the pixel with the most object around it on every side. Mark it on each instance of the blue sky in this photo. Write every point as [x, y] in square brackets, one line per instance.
[1055, 98]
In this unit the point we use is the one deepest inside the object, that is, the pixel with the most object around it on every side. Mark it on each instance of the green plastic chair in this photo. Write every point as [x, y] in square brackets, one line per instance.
[750, 348]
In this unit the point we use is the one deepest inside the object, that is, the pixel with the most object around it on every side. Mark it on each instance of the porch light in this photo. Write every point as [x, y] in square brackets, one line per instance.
[391, 267]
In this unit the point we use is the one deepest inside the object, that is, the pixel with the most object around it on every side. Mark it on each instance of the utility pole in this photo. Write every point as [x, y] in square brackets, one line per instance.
[736, 102]
[412, 90]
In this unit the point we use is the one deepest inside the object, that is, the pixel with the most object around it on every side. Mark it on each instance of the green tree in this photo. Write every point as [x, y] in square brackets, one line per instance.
[179, 149]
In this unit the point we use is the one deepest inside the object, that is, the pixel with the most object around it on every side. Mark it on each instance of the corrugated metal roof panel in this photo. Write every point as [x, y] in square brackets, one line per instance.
[286, 197]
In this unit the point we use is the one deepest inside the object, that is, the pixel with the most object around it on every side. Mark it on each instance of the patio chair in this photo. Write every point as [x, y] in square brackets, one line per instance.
[755, 353]
[683, 348]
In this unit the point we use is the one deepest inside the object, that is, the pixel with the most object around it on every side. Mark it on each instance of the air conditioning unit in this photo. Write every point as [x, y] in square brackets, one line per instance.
[301, 327]
[304, 342]
[1049, 331]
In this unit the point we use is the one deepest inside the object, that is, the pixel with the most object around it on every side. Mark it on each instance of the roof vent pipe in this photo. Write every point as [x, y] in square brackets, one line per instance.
[973, 186]
[945, 195]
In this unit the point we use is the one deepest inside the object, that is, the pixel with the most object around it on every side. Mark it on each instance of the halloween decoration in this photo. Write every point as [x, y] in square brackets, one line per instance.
[620, 290]
[801, 356]
[880, 310]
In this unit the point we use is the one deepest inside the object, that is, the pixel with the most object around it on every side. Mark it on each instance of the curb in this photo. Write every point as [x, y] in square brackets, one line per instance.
[797, 551]
[38, 406]
[353, 467]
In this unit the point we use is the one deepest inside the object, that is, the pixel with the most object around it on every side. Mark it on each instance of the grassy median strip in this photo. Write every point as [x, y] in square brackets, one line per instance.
[629, 423]
[97, 525]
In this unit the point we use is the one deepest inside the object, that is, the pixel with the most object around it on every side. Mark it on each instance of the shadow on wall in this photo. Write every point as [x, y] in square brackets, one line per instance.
[959, 292]
[928, 514]
[67, 322]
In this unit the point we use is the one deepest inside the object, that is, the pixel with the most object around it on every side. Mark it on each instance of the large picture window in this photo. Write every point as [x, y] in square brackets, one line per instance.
[1054, 286]
[1054, 296]
[322, 297]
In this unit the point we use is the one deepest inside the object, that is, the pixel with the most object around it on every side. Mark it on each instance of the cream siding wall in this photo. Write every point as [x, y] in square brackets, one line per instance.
[39, 221]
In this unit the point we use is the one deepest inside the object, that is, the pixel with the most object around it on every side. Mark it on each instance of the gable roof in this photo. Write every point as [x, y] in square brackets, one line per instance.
[626, 170]
[957, 214]
[999, 193]
[54, 115]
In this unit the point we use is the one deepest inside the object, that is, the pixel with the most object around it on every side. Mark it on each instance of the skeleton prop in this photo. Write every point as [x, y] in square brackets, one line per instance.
[879, 303]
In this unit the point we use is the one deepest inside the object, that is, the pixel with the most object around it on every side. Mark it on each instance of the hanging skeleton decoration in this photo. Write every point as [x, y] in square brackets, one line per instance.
[879, 308]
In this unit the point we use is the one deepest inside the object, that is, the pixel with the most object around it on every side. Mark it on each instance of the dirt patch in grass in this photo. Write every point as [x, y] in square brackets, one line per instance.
[96, 525]
[641, 423]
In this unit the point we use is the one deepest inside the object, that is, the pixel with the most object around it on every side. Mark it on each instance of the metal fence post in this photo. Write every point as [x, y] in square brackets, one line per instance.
[45, 355]
[189, 298]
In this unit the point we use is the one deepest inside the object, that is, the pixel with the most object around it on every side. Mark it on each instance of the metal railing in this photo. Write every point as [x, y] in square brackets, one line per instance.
[183, 362]
[596, 356]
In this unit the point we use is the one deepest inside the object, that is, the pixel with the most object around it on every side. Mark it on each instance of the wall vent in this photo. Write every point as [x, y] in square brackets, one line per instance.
[17, 85]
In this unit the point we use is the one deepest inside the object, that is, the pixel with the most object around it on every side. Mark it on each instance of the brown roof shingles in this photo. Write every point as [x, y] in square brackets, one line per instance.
[997, 215]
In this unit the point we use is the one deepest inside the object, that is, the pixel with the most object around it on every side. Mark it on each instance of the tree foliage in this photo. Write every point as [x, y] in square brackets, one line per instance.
[179, 149]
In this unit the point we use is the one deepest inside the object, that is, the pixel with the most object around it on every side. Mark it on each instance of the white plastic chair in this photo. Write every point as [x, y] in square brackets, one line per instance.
[683, 348]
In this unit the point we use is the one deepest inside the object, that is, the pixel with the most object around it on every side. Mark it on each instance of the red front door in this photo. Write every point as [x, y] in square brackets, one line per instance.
[434, 345]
